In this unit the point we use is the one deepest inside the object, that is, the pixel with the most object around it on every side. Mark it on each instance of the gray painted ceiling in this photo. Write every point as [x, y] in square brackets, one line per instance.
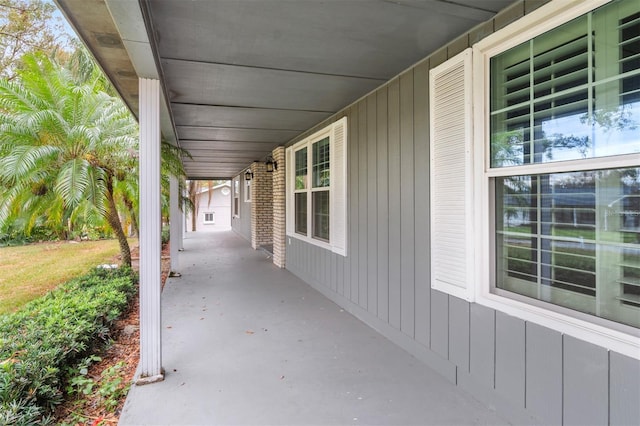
[243, 76]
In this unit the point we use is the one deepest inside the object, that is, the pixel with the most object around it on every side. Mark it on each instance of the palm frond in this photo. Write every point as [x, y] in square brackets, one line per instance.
[72, 181]
[23, 160]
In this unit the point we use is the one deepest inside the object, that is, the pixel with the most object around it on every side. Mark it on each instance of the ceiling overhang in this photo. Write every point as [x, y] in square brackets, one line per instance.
[241, 77]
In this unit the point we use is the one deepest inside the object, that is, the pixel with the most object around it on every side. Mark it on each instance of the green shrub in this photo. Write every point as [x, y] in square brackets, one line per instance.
[165, 235]
[40, 342]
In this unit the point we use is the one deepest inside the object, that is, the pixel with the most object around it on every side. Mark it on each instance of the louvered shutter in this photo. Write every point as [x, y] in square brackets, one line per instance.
[289, 185]
[338, 200]
[451, 131]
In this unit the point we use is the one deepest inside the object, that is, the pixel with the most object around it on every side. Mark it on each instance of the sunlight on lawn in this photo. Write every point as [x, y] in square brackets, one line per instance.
[27, 272]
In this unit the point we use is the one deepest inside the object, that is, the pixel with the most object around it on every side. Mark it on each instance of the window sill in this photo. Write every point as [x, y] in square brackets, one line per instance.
[614, 340]
[309, 240]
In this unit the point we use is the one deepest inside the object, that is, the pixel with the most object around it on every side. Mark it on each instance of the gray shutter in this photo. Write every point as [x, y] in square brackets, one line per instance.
[451, 131]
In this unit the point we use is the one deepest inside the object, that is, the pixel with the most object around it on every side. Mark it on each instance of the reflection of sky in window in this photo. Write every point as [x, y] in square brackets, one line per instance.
[570, 133]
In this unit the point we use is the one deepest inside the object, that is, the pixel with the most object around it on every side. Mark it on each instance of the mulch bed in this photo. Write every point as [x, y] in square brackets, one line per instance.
[90, 410]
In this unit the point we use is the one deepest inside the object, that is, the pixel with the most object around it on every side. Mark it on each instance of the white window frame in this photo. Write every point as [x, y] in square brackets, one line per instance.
[235, 188]
[209, 222]
[247, 190]
[337, 134]
[538, 22]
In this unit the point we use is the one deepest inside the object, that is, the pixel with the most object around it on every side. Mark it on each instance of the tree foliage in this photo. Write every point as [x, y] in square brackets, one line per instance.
[28, 26]
[64, 143]
[68, 151]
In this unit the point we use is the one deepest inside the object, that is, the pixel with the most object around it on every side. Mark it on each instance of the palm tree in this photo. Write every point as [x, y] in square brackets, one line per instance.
[64, 143]
[172, 165]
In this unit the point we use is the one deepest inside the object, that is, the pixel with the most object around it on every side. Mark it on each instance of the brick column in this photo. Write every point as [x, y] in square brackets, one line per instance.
[279, 208]
[261, 206]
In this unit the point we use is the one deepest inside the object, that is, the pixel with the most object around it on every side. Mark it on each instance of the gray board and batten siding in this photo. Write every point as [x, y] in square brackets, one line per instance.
[529, 373]
[241, 225]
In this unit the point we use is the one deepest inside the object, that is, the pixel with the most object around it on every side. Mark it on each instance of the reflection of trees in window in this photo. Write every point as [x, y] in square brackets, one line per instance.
[567, 231]
[321, 179]
[301, 213]
[508, 148]
[553, 245]
[565, 81]
[565, 237]
[321, 163]
[611, 119]
[301, 168]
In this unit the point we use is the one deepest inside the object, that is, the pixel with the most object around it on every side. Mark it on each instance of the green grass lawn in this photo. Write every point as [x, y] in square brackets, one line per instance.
[28, 272]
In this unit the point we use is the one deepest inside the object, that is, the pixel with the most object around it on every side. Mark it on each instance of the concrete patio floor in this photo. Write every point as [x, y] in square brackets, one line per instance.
[246, 343]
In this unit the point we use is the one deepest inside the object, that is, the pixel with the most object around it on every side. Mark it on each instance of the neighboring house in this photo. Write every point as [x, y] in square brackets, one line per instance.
[214, 209]
[473, 199]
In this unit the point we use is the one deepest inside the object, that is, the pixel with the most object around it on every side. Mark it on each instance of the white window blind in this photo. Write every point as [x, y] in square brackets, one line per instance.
[452, 254]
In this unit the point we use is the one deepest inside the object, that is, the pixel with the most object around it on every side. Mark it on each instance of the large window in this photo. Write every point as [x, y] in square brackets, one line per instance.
[247, 190]
[564, 165]
[320, 189]
[316, 188]
[236, 197]
[315, 192]
[301, 190]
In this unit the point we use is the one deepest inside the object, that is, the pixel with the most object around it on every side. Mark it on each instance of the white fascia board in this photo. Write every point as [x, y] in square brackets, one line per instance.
[141, 57]
[128, 19]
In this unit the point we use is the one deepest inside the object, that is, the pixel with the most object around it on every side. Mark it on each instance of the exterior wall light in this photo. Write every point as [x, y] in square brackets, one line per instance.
[271, 165]
[248, 175]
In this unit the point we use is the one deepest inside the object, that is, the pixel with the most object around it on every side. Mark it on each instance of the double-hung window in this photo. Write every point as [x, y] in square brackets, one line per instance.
[556, 171]
[247, 190]
[544, 221]
[316, 188]
[564, 168]
[236, 197]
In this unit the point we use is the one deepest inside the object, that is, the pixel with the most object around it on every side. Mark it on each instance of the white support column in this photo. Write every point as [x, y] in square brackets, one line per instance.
[150, 369]
[175, 222]
[183, 222]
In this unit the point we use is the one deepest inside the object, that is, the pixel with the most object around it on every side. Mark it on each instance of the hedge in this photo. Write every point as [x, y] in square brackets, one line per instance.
[39, 343]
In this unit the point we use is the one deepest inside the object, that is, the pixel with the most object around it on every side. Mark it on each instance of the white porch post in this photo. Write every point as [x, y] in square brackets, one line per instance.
[150, 369]
[175, 222]
[183, 222]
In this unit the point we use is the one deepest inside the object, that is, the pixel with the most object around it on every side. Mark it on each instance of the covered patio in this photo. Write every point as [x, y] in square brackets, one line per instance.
[245, 342]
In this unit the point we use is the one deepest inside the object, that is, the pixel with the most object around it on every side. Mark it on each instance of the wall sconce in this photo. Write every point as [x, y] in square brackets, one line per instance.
[271, 165]
[248, 175]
